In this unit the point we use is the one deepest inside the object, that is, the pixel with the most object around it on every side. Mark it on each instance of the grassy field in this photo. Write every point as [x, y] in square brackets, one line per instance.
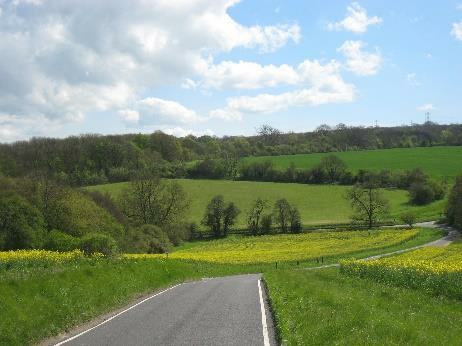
[318, 204]
[323, 307]
[438, 162]
[43, 294]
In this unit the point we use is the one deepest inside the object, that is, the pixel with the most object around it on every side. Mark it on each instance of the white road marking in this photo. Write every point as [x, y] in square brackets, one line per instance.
[263, 316]
[120, 313]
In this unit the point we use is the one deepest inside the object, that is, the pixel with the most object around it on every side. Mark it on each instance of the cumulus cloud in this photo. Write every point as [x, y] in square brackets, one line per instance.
[358, 61]
[426, 107]
[323, 84]
[356, 20]
[457, 31]
[63, 60]
[154, 111]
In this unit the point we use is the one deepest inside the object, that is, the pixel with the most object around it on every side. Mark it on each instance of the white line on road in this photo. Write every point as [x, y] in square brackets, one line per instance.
[120, 313]
[263, 316]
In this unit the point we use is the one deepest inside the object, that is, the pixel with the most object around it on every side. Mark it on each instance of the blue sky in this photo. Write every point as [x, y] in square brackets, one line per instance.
[225, 67]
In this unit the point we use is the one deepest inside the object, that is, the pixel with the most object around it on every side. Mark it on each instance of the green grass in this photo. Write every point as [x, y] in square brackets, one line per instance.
[438, 162]
[323, 307]
[318, 204]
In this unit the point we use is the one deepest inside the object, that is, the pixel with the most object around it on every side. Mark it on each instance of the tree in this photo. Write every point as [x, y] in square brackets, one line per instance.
[254, 215]
[333, 167]
[214, 214]
[295, 220]
[229, 217]
[409, 218]
[269, 134]
[151, 200]
[454, 206]
[421, 194]
[368, 203]
[21, 224]
[282, 214]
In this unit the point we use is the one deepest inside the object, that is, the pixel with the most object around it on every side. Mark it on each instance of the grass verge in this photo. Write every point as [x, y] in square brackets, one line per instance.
[323, 307]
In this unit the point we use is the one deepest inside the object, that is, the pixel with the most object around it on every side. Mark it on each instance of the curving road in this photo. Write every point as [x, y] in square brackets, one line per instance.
[219, 311]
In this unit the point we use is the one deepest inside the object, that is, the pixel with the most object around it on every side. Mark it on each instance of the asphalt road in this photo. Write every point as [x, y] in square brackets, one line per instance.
[219, 311]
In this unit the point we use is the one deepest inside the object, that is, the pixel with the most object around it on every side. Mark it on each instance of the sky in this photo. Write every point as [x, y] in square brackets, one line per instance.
[225, 67]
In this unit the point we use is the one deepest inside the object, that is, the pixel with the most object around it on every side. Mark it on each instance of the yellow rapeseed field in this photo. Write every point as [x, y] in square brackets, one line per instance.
[436, 270]
[272, 248]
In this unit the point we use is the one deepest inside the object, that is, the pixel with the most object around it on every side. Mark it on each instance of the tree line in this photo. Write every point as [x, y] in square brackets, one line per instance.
[149, 215]
[93, 159]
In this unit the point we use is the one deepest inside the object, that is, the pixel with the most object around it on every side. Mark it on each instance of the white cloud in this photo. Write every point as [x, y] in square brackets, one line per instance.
[426, 107]
[412, 79]
[356, 20]
[130, 116]
[246, 75]
[78, 57]
[323, 84]
[457, 30]
[155, 111]
[182, 132]
[358, 61]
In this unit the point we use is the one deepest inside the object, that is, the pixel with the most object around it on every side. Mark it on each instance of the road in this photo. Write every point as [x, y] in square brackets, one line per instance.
[219, 311]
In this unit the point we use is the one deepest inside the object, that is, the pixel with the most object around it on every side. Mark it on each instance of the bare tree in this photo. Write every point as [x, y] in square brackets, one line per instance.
[368, 203]
[151, 200]
[269, 134]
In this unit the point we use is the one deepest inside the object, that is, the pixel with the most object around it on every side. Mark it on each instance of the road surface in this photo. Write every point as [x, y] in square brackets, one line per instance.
[219, 311]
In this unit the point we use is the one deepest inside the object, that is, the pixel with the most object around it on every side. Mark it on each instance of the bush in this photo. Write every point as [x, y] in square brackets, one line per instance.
[421, 194]
[454, 207]
[409, 218]
[60, 241]
[21, 224]
[98, 243]
[148, 239]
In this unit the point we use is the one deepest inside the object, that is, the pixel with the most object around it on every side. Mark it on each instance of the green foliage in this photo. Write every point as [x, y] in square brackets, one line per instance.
[98, 243]
[454, 206]
[80, 215]
[254, 215]
[409, 218]
[220, 217]
[295, 224]
[333, 167]
[282, 214]
[60, 241]
[21, 224]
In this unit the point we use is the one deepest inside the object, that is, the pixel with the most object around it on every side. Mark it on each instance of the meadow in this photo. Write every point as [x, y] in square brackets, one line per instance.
[437, 162]
[318, 204]
[437, 271]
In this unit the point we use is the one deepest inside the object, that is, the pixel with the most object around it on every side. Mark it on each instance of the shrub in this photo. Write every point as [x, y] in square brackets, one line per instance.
[60, 241]
[454, 207]
[21, 224]
[409, 218]
[148, 239]
[98, 243]
[421, 194]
